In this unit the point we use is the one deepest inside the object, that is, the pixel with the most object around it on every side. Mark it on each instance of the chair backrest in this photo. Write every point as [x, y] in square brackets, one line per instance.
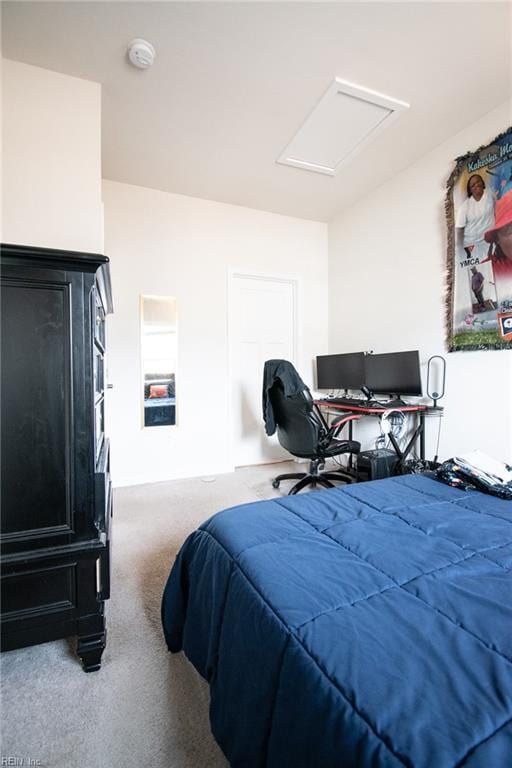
[298, 424]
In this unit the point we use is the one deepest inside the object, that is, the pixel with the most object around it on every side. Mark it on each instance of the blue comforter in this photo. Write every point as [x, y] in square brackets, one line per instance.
[365, 626]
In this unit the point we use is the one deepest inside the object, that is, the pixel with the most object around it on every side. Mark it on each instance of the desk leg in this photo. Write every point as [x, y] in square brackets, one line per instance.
[395, 445]
[350, 456]
[418, 433]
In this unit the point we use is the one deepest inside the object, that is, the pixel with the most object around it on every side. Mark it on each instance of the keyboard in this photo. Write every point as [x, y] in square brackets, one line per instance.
[385, 404]
[346, 401]
[358, 402]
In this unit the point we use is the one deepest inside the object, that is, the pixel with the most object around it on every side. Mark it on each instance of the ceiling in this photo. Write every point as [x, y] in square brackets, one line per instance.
[233, 82]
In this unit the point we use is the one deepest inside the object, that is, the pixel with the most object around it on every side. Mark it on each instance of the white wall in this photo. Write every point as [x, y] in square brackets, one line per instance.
[386, 274]
[168, 244]
[51, 159]
[387, 293]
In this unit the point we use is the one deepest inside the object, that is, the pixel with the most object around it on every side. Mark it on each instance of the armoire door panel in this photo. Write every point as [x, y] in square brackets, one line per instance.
[37, 408]
[44, 589]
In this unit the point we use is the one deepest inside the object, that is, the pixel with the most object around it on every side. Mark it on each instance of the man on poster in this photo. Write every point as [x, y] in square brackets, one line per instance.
[477, 286]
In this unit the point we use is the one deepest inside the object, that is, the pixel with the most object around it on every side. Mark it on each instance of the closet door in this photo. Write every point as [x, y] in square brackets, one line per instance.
[262, 326]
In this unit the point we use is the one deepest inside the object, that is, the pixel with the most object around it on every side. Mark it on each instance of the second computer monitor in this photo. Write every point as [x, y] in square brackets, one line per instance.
[396, 373]
[344, 371]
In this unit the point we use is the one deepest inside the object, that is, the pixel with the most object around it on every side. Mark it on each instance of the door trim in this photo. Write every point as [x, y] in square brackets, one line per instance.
[234, 273]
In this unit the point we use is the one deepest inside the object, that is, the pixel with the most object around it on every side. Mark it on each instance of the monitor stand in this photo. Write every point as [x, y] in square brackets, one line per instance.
[366, 392]
[396, 399]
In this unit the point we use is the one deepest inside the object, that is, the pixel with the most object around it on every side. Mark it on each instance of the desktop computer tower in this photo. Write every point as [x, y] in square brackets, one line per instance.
[375, 465]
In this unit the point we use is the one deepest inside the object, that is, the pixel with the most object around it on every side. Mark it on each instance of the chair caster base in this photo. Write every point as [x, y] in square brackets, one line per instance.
[313, 478]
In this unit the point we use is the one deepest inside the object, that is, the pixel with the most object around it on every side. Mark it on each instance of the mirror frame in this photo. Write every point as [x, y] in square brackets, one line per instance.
[142, 297]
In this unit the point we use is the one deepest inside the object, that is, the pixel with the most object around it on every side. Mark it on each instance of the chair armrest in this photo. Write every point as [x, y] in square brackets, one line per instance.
[338, 425]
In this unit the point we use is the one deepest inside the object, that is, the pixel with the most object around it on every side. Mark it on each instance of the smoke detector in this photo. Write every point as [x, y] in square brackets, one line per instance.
[141, 53]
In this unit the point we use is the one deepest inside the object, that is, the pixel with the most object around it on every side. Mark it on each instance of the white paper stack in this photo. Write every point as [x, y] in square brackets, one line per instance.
[486, 468]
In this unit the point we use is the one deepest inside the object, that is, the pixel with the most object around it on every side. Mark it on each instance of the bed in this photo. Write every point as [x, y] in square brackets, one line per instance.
[363, 626]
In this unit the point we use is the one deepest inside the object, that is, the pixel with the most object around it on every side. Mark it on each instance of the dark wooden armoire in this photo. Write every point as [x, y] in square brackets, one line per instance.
[56, 493]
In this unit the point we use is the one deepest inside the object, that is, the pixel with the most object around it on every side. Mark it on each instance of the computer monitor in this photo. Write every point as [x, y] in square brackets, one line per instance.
[394, 373]
[340, 371]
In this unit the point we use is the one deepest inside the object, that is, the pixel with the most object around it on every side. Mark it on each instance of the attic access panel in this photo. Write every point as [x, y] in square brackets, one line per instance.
[344, 121]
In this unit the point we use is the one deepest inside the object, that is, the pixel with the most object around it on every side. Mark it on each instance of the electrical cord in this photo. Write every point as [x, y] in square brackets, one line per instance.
[339, 463]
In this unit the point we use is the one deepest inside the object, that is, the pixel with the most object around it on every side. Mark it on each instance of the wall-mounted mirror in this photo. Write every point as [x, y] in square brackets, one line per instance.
[158, 353]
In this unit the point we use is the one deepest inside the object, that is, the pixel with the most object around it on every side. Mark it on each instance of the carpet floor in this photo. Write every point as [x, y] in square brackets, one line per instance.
[145, 706]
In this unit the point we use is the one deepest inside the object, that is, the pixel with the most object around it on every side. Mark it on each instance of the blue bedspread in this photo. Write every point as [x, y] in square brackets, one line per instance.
[364, 626]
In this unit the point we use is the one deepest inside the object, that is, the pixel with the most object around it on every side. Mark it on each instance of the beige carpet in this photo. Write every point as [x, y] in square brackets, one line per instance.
[145, 707]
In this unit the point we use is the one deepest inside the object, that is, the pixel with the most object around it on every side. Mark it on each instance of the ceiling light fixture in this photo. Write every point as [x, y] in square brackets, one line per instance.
[141, 53]
[344, 121]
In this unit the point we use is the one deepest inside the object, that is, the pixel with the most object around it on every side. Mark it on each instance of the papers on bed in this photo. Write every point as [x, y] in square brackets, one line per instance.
[485, 468]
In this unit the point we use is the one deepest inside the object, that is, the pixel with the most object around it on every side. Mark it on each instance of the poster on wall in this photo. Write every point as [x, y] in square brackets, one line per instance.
[479, 218]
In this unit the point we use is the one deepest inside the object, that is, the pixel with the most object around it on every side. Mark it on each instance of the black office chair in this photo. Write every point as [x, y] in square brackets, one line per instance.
[303, 431]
